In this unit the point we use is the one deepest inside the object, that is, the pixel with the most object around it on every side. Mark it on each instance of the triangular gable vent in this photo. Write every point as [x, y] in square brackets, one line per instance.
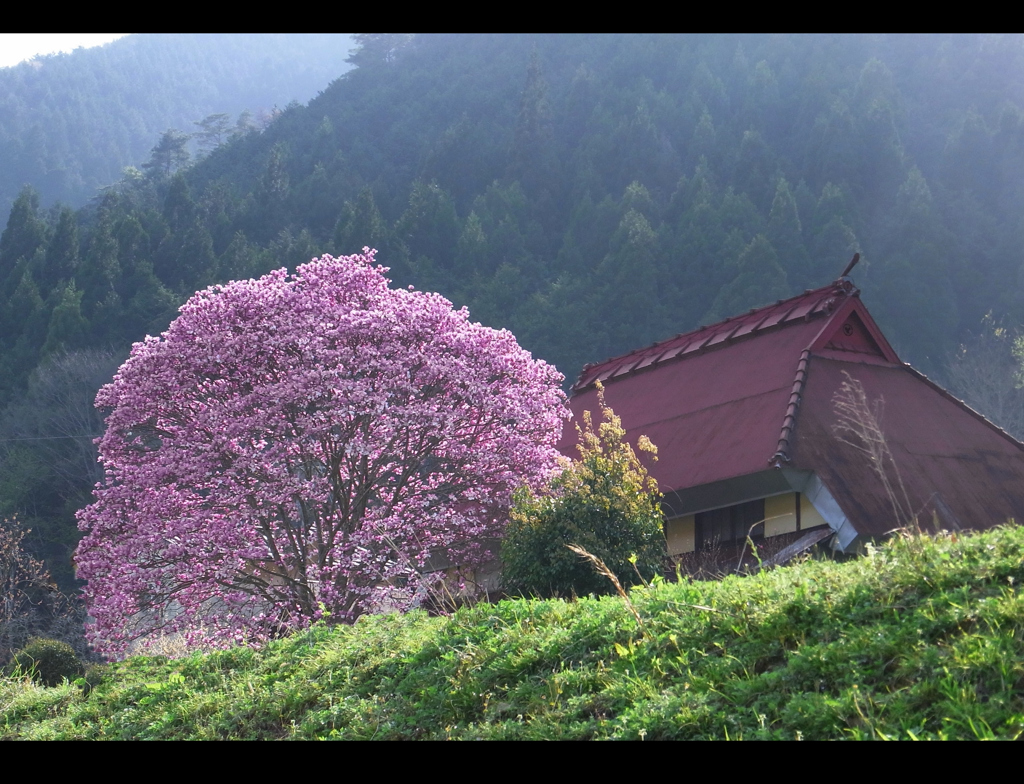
[852, 335]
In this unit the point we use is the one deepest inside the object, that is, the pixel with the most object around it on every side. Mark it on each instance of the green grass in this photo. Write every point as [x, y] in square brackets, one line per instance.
[920, 639]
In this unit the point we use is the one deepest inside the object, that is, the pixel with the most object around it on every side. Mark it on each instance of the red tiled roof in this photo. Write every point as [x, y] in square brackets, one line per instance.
[725, 394]
[714, 414]
[732, 399]
[811, 304]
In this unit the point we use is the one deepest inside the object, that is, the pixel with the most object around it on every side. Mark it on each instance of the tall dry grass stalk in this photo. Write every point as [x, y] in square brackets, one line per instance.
[860, 426]
[601, 568]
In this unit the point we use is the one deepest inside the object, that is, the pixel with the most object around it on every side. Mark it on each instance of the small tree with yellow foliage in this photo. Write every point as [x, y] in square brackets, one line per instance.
[604, 502]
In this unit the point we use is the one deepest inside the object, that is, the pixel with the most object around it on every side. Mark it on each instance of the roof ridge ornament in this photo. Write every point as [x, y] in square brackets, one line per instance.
[849, 267]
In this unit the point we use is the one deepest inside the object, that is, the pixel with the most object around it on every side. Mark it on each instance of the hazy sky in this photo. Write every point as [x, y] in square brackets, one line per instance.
[15, 47]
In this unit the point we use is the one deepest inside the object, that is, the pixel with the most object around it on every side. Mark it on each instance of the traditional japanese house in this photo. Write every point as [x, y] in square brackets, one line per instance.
[746, 417]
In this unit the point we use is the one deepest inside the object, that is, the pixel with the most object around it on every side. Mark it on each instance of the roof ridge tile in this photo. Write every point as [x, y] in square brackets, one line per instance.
[812, 303]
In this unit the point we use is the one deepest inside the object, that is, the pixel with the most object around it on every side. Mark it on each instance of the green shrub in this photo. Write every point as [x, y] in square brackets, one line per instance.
[49, 662]
[605, 502]
[93, 675]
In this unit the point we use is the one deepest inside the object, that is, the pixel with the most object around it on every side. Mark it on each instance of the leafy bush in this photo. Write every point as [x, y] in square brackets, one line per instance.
[605, 502]
[30, 603]
[49, 662]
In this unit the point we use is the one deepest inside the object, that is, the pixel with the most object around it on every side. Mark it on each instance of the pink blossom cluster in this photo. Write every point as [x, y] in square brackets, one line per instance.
[304, 445]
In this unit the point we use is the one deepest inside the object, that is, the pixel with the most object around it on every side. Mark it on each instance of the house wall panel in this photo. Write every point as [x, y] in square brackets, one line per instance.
[680, 533]
[780, 514]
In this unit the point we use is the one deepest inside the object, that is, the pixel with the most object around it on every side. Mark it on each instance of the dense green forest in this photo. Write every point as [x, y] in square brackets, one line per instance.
[69, 123]
[590, 193]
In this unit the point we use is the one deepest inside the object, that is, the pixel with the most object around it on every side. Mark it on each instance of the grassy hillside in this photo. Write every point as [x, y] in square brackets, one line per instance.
[919, 639]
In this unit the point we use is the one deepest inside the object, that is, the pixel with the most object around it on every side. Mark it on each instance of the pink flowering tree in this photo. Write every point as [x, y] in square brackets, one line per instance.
[308, 444]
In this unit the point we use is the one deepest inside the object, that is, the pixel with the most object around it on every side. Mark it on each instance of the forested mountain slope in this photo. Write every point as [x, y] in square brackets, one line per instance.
[710, 173]
[590, 193]
[69, 123]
